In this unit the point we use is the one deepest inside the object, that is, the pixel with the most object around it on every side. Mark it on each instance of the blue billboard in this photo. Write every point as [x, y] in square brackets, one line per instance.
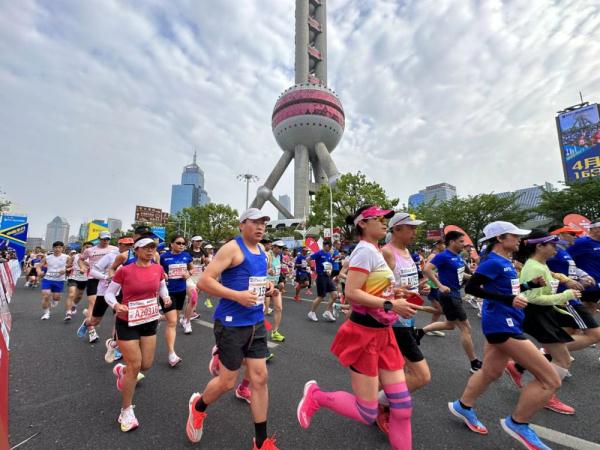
[13, 233]
[579, 139]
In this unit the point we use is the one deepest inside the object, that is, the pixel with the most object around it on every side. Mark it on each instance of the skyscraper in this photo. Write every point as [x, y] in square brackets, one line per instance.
[57, 230]
[191, 191]
[114, 225]
[285, 201]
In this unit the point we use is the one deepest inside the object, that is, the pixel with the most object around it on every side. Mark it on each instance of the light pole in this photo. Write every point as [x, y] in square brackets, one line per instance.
[331, 185]
[249, 178]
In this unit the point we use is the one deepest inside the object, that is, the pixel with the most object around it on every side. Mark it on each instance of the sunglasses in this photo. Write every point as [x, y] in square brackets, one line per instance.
[179, 242]
[379, 219]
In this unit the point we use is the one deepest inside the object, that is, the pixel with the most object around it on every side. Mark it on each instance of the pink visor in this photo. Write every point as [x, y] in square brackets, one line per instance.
[373, 211]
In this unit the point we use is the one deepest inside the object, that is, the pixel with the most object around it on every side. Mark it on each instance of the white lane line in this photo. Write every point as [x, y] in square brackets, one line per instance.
[210, 325]
[564, 439]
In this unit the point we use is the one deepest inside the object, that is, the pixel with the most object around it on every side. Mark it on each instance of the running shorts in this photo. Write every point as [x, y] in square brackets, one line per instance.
[452, 306]
[56, 287]
[590, 296]
[433, 295]
[501, 338]
[407, 343]
[237, 343]
[544, 324]
[177, 301]
[127, 333]
[579, 318]
[100, 307]
[92, 286]
[302, 277]
[335, 273]
[281, 278]
[33, 272]
[79, 284]
[324, 285]
[367, 349]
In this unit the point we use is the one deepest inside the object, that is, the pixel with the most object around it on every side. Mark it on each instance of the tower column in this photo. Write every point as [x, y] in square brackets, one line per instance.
[326, 162]
[301, 41]
[301, 180]
[321, 42]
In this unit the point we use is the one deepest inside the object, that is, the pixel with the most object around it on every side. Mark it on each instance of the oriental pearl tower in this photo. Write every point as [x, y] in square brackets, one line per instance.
[308, 118]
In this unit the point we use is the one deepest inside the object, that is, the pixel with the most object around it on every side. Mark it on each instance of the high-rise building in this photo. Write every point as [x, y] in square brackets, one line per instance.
[57, 230]
[416, 200]
[191, 191]
[34, 242]
[439, 193]
[529, 198]
[285, 201]
[114, 225]
[83, 229]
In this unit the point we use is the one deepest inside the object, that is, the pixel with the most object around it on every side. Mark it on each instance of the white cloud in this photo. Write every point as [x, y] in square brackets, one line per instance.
[104, 102]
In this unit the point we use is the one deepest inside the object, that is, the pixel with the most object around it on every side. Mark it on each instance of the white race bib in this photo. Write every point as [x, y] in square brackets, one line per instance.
[142, 311]
[327, 267]
[515, 286]
[258, 285]
[176, 271]
[554, 285]
[460, 272]
[410, 277]
[572, 270]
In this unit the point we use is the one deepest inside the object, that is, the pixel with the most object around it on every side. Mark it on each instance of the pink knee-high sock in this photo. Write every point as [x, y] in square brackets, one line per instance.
[347, 405]
[193, 297]
[400, 432]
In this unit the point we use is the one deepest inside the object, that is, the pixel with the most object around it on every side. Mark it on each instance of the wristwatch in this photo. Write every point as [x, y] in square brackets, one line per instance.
[388, 306]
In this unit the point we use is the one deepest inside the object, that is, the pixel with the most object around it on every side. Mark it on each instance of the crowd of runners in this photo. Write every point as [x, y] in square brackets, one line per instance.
[537, 293]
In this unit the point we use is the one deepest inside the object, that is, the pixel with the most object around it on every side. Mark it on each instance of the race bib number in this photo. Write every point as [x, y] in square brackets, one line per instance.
[460, 273]
[572, 270]
[304, 264]
[142, 311]
[327, 267]
[176, 271]
[515, 286]
[554, 285]
[258, 285]
[409, 277]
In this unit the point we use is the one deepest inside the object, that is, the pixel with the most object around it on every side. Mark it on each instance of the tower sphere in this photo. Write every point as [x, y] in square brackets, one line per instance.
[308, 114]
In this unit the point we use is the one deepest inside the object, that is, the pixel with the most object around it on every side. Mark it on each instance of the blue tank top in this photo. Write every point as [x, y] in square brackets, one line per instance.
[131, 258]
[230, 313]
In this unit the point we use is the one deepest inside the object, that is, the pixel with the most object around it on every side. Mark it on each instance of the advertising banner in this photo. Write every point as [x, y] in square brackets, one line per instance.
[150, 215]
[13, 233]
[579, 139]
[94, 229]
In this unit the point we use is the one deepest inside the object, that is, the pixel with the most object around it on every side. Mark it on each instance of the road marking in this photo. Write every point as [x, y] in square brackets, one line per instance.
[210, 325]
[564, 439]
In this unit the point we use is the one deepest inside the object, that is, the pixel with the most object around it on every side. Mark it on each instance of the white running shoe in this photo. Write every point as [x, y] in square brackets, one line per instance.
[328, 316]
[53, 304]
[67, 316]
[127, 419]
[312, 316]
[73, 310]
[436, 333]
[187, 327]
[46, 314]
[93, 336]
[109, 356]
[140, 377]
[174, 360]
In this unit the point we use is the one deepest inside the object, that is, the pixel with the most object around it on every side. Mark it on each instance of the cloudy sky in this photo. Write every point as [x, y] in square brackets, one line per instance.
[103, 102]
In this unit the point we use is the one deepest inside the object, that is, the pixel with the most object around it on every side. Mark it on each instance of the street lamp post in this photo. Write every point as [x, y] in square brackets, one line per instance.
[248, 177]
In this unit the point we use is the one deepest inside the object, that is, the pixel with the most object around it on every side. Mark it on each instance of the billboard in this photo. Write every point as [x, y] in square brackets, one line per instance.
[579, 139]
[13, 233]
[94, 229]
[151, 215]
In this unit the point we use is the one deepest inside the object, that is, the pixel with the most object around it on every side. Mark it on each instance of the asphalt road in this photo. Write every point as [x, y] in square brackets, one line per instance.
[61, 388]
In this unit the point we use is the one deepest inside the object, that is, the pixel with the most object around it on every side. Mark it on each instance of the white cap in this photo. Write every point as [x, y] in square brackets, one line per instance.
[143, 242]
[279, 243]
[593, 225]
[104, 235]
[196, 238]
[253, 214]
[208, 246]
[402, 218]
[499, 228]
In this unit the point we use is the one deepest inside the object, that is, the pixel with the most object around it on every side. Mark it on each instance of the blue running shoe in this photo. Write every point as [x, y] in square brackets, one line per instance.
[523, 433]
[118, 354]
[468, 417]
[82, 330]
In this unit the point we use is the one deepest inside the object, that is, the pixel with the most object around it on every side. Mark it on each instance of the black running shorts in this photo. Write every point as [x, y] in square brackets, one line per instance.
[302, 277]
[100, 306]
[324, 285]
[590, 296]
[405, 336]
[92, 286]
[127, 333]
[452, 306]
[237, 343]
[177, 301]
[501, 338]
[80, 285]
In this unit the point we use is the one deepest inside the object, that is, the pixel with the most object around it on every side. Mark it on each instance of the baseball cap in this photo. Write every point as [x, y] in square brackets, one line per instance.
[104, 235]
[279, 243]
[208, 246]
[142, 229]
[253, 214]
[594, 224]
[197, 238]
[125, 240]
[403, 218]
[543, 240]
[143, 242]
[373, 211]
[567, 229]
[499, 228]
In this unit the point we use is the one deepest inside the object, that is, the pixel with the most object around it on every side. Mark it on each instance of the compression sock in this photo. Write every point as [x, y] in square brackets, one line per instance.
[463, 405]
[193, 298]
[347, 405]
[260, 430]
[245, 382]
[400, 432]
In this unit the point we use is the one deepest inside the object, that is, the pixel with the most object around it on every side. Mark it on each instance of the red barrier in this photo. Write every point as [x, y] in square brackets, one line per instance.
[8, 273]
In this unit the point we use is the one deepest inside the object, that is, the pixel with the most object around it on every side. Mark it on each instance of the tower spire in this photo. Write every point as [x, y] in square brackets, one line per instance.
[194, 156]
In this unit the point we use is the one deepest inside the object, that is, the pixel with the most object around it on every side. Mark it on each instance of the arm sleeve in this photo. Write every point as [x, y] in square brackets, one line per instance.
[162, 290]
[111, 294]
[537, 296]
[99, 269]
[475, 287]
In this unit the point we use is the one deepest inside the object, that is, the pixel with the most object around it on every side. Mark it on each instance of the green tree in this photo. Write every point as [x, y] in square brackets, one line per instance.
[4, 203]
[472, 213]
[578, 198]
[214, 222]
[350, 192]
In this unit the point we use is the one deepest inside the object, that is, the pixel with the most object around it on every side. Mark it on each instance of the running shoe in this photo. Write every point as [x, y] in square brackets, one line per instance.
[243, 393]
[523, 433]
[468, 417]
[269, 356]
[46, 315]
[383, 419]
[269, 311]
[73, 310]
[119, 371]
[195, 316]
[214, 365]
[187, 327]
[268, 444]
[109, 356]
[93, 336]
[514, 375]
[127, 419]
[174, 360]
[436, 333]
[277, 336]
[140, 377]
[554, 404]
[53, 304]
[307, 406]
[296, 298]
[208, 303]
[67, 317]
[309, 292]
[195, 421]
[312, 316]
[475, 365]
[82, 330]
[118, 354]
[328, 316]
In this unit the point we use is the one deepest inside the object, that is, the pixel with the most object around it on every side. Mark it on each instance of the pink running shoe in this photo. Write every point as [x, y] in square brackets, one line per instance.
[214, 365]
[515, 376]
[243, 393]
[119, 371]
[307, 406]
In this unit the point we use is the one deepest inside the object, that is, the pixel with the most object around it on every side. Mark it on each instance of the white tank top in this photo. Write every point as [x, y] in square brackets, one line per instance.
[56, 267]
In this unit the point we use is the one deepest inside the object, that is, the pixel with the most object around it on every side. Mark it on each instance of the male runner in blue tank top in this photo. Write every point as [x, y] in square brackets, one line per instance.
[239, 329]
